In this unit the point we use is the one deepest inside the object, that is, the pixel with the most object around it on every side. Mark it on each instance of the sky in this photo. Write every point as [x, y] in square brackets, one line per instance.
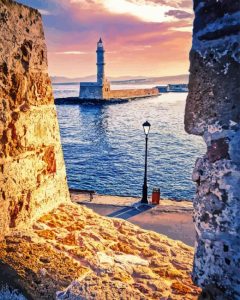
[141, 37]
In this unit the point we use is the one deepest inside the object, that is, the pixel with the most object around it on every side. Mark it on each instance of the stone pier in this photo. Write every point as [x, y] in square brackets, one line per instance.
[213, 112]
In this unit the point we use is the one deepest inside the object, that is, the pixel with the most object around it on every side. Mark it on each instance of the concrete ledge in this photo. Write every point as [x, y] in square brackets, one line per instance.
[76, 100]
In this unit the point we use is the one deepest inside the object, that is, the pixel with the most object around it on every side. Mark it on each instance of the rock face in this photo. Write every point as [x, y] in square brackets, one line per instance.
[213, 111]
[32, 171]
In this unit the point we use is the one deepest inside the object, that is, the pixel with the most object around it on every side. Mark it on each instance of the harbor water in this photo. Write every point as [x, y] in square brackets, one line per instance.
[104, 145]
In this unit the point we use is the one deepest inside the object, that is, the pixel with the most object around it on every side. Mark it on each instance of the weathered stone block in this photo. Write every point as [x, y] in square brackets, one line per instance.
[32, 173]
[213, 111]
[214, 70]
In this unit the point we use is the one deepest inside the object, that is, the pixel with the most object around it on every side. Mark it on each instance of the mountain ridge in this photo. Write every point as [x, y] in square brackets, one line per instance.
[182, 78]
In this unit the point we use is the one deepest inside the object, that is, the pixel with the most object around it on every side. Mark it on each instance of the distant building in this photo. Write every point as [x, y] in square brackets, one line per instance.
[163, 88]
[101, 90]
[176, 88]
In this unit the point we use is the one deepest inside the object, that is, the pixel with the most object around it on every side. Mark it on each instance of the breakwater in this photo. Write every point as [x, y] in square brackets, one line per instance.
[131, 93]
[117, 98]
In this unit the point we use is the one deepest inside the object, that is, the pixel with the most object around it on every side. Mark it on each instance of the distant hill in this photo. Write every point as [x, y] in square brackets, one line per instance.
[60, 79]
[156, 80]
[127, 79]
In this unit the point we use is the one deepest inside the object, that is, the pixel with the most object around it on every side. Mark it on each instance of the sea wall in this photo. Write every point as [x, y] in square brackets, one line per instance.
[213, 111]
[131, 93]
[92, 90]
[32, 171]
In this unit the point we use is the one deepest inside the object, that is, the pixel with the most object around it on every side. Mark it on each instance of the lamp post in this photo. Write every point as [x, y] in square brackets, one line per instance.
[146, 128]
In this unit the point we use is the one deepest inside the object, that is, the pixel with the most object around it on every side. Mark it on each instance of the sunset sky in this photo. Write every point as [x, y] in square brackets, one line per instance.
[141, 37]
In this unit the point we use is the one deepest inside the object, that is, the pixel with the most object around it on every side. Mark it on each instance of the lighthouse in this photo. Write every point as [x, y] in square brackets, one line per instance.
[101, 90]
[100, 62]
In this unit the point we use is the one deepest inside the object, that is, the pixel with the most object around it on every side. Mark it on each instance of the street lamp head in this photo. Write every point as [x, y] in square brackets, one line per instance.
[146, 127]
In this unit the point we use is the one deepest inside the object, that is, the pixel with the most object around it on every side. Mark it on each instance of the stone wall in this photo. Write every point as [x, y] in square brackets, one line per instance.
[32, 171]
[133, 93]
[90, 91]
[213, 111]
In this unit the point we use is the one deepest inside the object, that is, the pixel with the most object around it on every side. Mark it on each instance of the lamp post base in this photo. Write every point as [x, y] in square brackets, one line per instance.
[145, 194]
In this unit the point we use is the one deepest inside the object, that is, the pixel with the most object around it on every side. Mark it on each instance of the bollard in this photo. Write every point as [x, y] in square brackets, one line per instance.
[156, 196]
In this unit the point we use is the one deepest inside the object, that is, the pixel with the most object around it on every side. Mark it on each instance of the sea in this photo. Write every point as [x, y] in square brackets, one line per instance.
[104, 145]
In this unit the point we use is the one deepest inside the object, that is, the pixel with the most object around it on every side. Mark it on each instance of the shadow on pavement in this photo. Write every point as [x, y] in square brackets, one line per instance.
[129, 212]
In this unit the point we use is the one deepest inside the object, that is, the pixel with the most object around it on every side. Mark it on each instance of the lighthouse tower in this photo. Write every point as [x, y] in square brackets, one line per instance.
[101, 89]
[100, 63]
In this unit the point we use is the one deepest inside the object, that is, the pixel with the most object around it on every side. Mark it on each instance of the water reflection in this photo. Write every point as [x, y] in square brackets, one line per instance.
[94, 123]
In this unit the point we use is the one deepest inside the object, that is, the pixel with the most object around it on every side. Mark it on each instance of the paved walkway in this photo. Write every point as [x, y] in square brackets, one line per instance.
[172, 218]
[129, 212]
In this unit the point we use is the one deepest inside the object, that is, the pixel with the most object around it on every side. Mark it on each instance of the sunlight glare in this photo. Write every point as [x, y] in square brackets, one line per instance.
[148, 12]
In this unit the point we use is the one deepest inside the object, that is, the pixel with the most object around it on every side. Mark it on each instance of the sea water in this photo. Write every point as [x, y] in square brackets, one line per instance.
[104, 145]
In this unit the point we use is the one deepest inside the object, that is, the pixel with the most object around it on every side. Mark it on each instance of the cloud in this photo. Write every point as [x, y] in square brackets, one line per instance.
[183, 29]
[148, 12]
[173, 3]
[45, 12]
[141, 37]
[72, 53]
[145, 10]
[179, 14]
